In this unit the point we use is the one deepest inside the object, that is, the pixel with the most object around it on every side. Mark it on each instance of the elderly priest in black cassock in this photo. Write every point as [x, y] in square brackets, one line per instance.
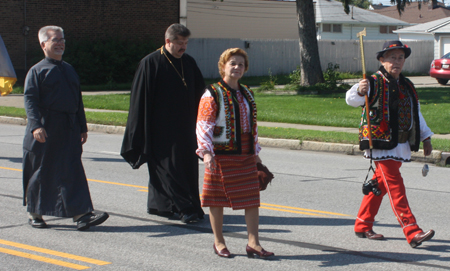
[54, 180]
[160, 131]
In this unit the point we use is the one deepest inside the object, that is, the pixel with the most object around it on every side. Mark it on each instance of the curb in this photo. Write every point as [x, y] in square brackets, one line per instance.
[12, 120]
[109, 129]
[437, 157]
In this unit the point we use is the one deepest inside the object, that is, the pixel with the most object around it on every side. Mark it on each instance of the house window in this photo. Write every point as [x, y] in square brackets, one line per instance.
[385, 29]
[335, 28]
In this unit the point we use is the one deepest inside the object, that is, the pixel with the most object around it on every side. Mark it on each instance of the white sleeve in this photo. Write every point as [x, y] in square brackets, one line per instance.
[353, 98]
[206, 121]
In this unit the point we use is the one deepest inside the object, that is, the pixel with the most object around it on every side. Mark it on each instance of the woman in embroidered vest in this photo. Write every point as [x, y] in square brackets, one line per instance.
[227, 138]
[397, 127]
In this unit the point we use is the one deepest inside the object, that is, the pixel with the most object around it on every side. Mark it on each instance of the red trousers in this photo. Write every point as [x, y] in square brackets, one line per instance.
[390, 182]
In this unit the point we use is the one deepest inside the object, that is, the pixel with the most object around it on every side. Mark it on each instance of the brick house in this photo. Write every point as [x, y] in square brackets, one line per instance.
[133, 19]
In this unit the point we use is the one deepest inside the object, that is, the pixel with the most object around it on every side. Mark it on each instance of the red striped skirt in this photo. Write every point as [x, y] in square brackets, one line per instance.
[234, 182]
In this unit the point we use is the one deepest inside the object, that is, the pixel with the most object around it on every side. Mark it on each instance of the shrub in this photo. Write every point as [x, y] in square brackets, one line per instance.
[268, 85]
[296, 76]
[332, 76]
[106, 61]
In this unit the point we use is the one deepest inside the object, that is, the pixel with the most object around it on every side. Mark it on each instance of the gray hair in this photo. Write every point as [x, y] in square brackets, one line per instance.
[43, 32]
[175, 30]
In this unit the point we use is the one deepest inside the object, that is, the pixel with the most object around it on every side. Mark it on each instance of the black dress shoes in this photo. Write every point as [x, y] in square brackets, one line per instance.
[421, 237]
[159, 213]
[370, 234]
[37, 223]
[223, 253]
[90, 219]
[188, 218]
[261, 254]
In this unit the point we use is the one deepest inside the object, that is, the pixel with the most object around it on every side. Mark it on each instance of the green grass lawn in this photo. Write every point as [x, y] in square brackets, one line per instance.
[332, 110]
[107, 118]
[12, 112]
[308, 135]
[435, 108]
[325, 110]
[329, 110]
[111, 102]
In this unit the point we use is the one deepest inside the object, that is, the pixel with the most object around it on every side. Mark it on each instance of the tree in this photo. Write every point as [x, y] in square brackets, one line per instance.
[361, 3]
[310, 68]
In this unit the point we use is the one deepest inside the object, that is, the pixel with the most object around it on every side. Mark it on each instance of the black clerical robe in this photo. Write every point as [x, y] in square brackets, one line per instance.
[161, 130]
[54, 180]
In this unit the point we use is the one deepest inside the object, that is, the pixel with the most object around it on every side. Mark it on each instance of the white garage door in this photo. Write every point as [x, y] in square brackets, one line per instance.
[445, 45]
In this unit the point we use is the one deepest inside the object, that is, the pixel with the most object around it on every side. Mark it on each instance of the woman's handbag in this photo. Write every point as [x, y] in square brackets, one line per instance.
[264, 176]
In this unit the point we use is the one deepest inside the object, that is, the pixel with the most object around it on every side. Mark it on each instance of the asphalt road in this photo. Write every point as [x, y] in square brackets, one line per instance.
[306, 218]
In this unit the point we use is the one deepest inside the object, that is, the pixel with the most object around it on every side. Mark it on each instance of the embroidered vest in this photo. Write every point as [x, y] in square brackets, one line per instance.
[384, 112]
[227, 132]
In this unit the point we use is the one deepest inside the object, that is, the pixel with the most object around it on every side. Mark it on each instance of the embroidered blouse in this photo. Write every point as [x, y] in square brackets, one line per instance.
[206, 122]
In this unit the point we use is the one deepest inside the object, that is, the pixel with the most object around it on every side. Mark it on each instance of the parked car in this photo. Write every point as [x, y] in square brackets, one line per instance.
[440, 69]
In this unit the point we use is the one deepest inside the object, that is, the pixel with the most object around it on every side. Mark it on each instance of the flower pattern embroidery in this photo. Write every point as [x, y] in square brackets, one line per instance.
[206, 110]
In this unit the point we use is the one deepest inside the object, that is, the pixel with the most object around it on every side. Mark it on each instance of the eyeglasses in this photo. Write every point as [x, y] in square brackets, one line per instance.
[55, 40]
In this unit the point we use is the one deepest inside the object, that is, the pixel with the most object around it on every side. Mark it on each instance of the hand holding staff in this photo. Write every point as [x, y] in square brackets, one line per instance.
[361, 44]
[364, 86]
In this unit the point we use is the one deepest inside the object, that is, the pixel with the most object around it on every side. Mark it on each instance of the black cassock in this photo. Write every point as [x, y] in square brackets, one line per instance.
[161, 130]
[54, 180]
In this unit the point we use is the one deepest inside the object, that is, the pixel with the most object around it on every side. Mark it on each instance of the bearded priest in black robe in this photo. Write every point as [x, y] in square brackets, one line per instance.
[54, 181]
[160, 130]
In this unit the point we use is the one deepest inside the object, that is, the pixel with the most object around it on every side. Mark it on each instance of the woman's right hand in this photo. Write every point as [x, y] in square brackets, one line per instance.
[209, 161]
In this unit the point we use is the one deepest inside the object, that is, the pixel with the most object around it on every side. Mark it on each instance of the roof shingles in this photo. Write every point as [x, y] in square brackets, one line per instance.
[412, 13]
[329, 11]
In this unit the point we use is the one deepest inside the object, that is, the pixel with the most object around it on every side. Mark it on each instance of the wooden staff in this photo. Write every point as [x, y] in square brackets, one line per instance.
[361, 44]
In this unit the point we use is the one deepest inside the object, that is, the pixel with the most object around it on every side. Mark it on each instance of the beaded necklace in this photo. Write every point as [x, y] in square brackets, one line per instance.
[182, 71]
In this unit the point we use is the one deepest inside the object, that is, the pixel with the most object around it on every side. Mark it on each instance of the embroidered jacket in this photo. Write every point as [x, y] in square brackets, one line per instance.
[384, 101]
[227, 131]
